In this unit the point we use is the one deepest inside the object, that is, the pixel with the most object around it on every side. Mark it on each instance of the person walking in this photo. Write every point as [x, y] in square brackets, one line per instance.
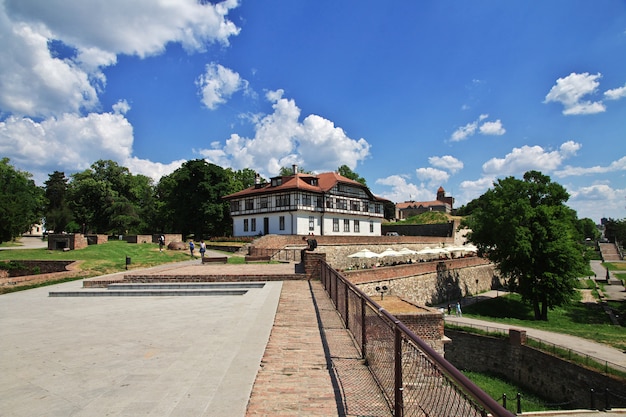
[202, 248]
[161, 243]
[459, 313]
[191, 247]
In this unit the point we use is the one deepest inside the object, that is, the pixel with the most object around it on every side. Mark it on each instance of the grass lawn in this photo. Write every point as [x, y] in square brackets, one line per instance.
[102, 259]
[578, 319]
[495, 387]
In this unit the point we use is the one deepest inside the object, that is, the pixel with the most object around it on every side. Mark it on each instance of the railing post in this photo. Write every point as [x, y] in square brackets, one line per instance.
[519, 403]
[504, 400]
[593, 400]
[399, 400]
[607, 403]
[345, 295]
[363, 329]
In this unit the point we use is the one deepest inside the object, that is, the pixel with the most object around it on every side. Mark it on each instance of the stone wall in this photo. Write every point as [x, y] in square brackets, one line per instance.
[428, 326]
[430, 283]
[66, 241]
[441, 229]
[549, 377]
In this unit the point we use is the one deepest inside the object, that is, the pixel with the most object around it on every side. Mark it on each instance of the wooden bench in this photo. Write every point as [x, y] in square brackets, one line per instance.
[258, 258]
[215, 259]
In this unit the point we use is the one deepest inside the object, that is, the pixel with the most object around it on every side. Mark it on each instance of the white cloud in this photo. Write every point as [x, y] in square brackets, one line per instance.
[597, 201]
[616, 93]
[446, 162]
[492, 128]
[401, 190]
[432, 176]
[485, 128]
[219, 83]
[36, 83]
[121, 107]
[70, 142]
[281, 139]
[569, 171]
[527, 158]
[570, 91]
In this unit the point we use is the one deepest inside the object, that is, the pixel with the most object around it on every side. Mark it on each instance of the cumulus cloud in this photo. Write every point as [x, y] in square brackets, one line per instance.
[569, 171]
[401, 190]
[492, 128]
[36, 82]
[484, 128]
[616, 93]
[446, 162]
[70, 142]
[219, 83]
[281, 139]
[527, 158]
[432, 176]
[571, 90]
[587, 198]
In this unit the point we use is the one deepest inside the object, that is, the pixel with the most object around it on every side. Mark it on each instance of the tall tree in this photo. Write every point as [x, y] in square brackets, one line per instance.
[525, 228]
[615, 230]
[21, 201]
[242, 179]
[348, 173]
[57, 211]
[193, 195]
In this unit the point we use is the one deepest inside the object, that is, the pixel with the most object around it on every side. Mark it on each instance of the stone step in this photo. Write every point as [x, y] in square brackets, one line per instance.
[146, 293]
[184, 286]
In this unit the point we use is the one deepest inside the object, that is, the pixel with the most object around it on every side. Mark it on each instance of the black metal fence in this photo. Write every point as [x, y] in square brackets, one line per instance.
[416, 380]
[288, 255]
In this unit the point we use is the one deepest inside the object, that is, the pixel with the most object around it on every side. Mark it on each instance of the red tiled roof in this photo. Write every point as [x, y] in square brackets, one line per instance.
[326, 181]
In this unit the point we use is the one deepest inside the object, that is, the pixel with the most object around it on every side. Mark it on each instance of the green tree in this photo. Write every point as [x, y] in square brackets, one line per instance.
[192, 197]
[348, 173]
[242, 179]
[615, 230]
[287, 171]
[21, 201]
[524, 227]
[107, 198]
[587, 229]
[57, 211]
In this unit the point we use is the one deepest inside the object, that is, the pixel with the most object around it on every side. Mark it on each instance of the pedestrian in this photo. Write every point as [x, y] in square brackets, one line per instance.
[459, 313]
[191, 247]
[202, 248]
[161, 243]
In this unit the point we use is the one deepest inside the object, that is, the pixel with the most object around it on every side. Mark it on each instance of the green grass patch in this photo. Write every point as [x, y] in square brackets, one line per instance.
[106, 258]
[588, 321]
[496, 386]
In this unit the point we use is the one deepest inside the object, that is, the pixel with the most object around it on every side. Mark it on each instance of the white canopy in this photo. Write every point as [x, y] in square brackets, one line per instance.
[364, 253]
[389, 252]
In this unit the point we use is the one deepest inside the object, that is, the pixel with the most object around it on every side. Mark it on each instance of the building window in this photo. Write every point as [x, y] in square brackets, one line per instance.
[276, 182]
[366, 206]
[377, 208]
[249, 204]
[253, 225]
[282, 200]
[371, 226]
[346, 225]
[235, 205]
[263, 202]
[311, 223]
[245, 225]
[342, 204]
[306, 200]
[335, 225]
[355, 206]
[281, 222]
[329, 202]
[357, 226]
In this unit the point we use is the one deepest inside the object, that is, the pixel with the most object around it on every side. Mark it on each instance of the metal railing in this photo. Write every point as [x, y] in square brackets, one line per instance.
[415, 379]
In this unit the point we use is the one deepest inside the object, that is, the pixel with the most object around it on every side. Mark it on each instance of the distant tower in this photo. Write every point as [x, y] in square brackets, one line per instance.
[441, 196]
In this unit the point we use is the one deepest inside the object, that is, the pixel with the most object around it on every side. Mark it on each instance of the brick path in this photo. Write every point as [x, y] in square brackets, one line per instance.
[311, 366]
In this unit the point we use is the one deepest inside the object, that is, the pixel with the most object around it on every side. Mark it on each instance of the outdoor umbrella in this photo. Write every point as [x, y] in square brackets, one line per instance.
[364, 253]
[389, 252]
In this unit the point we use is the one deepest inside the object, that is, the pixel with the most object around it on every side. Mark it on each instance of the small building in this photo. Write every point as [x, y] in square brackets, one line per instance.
[413, 208]
[303, 204]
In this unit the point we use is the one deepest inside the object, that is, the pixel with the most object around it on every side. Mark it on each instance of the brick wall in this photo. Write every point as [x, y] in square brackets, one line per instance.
[432, 282]
[427, 326]
[548, 376]
[70, 241]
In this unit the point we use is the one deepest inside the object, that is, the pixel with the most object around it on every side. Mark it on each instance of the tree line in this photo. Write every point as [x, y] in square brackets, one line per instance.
[108, 199]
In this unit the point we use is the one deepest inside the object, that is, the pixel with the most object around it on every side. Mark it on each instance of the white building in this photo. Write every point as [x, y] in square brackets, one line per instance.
[301, 204]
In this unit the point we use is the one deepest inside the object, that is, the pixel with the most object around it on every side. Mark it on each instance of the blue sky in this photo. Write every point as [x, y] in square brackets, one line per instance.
[410, 95]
